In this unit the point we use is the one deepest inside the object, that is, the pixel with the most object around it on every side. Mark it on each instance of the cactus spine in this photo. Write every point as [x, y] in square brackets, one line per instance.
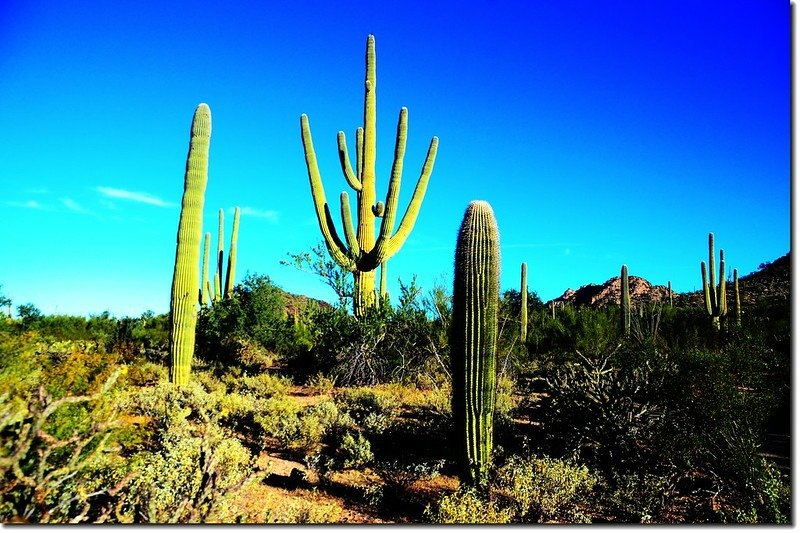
[231, 273]
[361, 253]
[715, 298]
[473, 342]
[523, 291]
[625, 302]
[185, 283]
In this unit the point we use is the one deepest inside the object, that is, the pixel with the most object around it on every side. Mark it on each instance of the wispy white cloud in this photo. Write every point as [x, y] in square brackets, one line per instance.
[140, 197]
[267, 214]
[72, 205]
[30, 204]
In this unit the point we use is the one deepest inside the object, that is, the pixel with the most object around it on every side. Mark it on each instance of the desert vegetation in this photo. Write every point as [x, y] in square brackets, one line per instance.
[462, 404]
[298, 412]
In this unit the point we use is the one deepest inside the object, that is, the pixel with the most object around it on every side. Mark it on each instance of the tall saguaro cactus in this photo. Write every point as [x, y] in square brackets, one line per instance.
[523, 313]
[361, 252]
[185, 283]
[625, 302]
[205, 293]
[715, 298]
[476, 292]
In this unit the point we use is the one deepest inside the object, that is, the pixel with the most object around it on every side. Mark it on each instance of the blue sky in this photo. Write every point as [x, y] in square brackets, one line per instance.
[601, 133]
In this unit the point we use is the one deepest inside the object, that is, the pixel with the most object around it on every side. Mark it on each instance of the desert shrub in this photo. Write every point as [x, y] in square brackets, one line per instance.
[263, 385]
[354, 451]
[383, 345]
[361, 402]
[56, 455]
[467, 507]
[545, 490]
[300, 428]
[604, 416]
[321, 384]
[257, 313]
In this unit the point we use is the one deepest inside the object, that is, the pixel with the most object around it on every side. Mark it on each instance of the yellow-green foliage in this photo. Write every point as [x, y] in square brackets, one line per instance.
[467, 507]
[545, 490]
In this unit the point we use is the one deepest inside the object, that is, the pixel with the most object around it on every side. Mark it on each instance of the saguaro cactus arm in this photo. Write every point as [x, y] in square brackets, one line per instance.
[523, 291]
[231, 272]
[185, 283]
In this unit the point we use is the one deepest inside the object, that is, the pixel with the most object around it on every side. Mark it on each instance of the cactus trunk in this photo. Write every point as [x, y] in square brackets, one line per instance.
[736, 297]
[185, 282]
[625, 302]
[476, 293]
[205, 296]
[523, 312]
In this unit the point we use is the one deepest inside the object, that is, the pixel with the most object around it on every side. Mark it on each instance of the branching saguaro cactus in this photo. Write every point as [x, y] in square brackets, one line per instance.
[625, 302]
[715, 298]
[361, 253]
[523, 313]
[473, 341]
[230, 274]
[185, 283]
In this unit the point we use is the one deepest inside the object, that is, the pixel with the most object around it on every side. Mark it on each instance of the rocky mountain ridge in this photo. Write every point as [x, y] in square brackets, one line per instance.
[772, 279]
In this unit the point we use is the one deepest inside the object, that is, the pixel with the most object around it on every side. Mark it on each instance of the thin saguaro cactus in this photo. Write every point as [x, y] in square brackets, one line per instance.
[205, 293]
[736, 297]
[715, 297]
[523, 313]
[625, 302]
[185, 283]
[476, 293]
[231, 272]
[361, 252]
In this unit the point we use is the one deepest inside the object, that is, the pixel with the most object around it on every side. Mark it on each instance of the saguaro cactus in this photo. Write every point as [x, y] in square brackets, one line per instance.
[736, 297]
[476, 293]
[231, 272]
[205, 292]
[715, 298]
[185, 284]
[523, 313]
[625, 302]
[669, 292]
[362, 253]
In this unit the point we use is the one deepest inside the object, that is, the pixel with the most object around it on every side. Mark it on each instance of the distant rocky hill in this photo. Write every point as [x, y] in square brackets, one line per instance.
[771, 280]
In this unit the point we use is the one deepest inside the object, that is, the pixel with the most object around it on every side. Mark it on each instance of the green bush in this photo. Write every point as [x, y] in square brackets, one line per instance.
[467, 507]
[546, 490]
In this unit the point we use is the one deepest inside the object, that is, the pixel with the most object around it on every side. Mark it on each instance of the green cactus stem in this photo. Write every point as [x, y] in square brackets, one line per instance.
[669, 292]
[361, 252]
[715, 297]
[205, 295]
[231, 272]
[523, 313]
[185, 283]
[625, 302]
[473, 341]
[736, 297]
[218, 279]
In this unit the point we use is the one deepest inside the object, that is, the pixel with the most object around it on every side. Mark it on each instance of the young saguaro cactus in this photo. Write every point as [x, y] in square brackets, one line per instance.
[185, 283]
[473, 342]
[361, 252]
[205, 292]
[715, 298]
[523, 313]
[625, 302]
